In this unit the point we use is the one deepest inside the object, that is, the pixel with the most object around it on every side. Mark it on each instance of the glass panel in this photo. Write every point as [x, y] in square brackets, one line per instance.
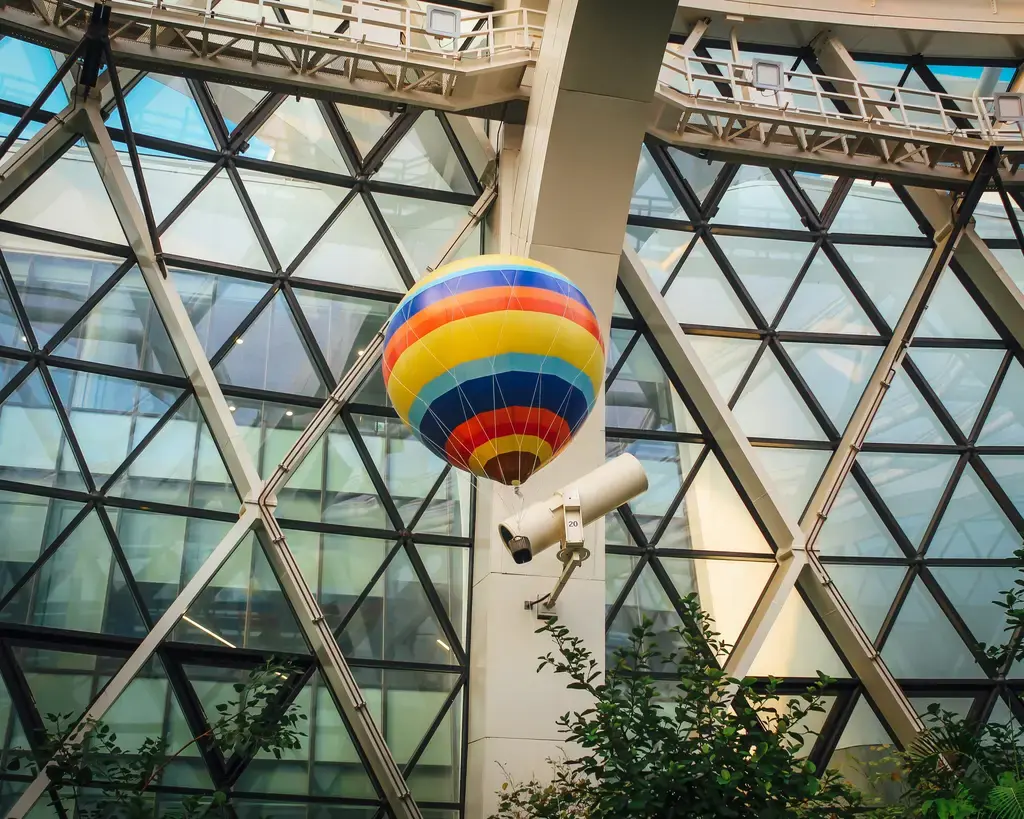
[700, 174]
[836, 374]
[853, 527]
[24, 71]
[923, 644]
[342, 326]
[868, 591]
[1012, 260]
[71, 185]
[755, 199]
[436, 776]
[169, 179]
[617, 570]
[62, 681]
[863, 745]
[448, 569]
[645, 600]
[991, 220]
[426, 159]
[365, 125]
[952, 313]
[767, 268]
[910, 485]
[824, 304]
[770, 406]
[352, 252]
[251, 363]
[726, 359]
[296, 134]
[700, 293]
[961, 379]
[961, 706]
[161, 106]
[667, 464]
[1009, 471]
[347, 566]
[659, 249]
[972, 590]
[409, 469]
[124, 330]
[717, 518]
[651, 193]
[421, 227]
[817, 187]
[887, 274]
[31, 524]
[795, 473]
[973, 525]
[1004, 425]
[642, 397]
[904, 417]
[215, 228]
[290, 210]
[874, 208]
[11, 332]
[796, 646]
[234, 102]
[216, 304]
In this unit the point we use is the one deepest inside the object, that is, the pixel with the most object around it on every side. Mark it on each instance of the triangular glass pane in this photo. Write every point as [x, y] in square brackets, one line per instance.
[726, 359]
[854, 529]
[862, 748]
[1004, 425]
[181, 465]
[71, 185]
[448, 569]
[796, 646]
[296, 134]
[659, 249]
[103, 411]
[422, 228]
[164, 551]
[874, 208]
[243, 606]
[795, 473]
[923, 644]
[667, 464]
[904, 417]
[234, 101]
[868, 590]
[124, 330]
[341, 568]
[217, 305]
[1009, 471]
[62, 681]
[643, 397]
[214, 228]
[32, 441]
[961, 706]
[770, 406]
[952, 313]
[824, 304]
[727, 590]
[342, 325]
[619, 307]
[365, 125]
[961, 378]
[425, 158]
[25, 69]
[411, 704]
[972, 590]
[252, 364]
[290, 210]
[404, 630]
[162, 106]
[617, 570]
[646, 600]
[651, 193]
[11, 332]
[990, 218]
[973, 525]
[1002, 715]
[169, 179]
[756, 200]
[767, 268]
[836, 374]
[31, 523]
[352, 252]
[338, 770]
[1012, 261]
[53, 280]
[910, 485]
[887, 274]
[618, 340]
[80, 587]
[700, 174]
[700, 293]
[436, 776]
[817, 187]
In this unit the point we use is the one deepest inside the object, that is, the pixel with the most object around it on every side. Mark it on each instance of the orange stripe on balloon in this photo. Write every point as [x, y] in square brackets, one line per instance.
[479, 429]
[486, 300]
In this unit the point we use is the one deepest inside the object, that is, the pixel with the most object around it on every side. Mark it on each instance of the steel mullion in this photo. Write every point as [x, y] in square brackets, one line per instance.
[699, 234]
[430, 496]
[843, 185]
[673, 178]
[932, 399]
[208, 110]
[254, 220]
[322, 231]
[1003, 501]
[741, 385]
[943, 504]
[367, 589]
[460, 153]
[309, 341]
[831, 730]
[732, 277]
[394, 134]
[342, 138]
[220, 269]
[800, 201]
[397, 257]
[371, 470]
[253, 121]
[68, 430]
[70, 239]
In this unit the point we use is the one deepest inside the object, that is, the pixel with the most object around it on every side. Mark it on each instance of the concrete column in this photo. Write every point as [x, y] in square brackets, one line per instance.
[565, 182]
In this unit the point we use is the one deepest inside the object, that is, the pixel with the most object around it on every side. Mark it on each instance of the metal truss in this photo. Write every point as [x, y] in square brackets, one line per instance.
[359, 48]
[832, 124]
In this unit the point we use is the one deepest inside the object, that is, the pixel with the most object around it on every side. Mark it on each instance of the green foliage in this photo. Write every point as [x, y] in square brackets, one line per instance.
[107, 781]
[701, 745]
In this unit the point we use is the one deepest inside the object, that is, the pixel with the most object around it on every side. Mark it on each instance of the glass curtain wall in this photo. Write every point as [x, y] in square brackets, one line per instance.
[291, 228]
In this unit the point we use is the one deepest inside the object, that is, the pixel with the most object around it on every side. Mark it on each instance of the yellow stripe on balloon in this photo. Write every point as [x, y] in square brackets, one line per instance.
[492, 334]
[511, 263]
[508, 443]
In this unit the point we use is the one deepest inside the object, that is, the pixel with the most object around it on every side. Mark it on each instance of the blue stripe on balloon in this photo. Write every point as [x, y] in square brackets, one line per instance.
[485, 367]
[478, 280]
[479, 395]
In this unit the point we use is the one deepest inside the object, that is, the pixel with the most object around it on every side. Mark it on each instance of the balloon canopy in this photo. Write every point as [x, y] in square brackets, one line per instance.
[495, 363]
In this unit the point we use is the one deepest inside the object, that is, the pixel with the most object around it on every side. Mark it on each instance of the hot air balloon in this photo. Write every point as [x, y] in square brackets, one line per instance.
[494, 363]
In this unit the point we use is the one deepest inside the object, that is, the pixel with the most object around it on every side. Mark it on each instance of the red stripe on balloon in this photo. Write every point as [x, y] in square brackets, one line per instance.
[486, 426]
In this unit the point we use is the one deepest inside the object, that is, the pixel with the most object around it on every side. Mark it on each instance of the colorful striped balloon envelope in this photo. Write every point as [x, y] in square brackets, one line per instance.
[495, 363]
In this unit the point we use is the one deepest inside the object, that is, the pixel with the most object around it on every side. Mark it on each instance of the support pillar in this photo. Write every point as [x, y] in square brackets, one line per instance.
[565, 182]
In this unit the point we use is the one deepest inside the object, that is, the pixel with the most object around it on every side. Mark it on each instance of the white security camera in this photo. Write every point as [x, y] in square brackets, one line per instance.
[560, 518]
